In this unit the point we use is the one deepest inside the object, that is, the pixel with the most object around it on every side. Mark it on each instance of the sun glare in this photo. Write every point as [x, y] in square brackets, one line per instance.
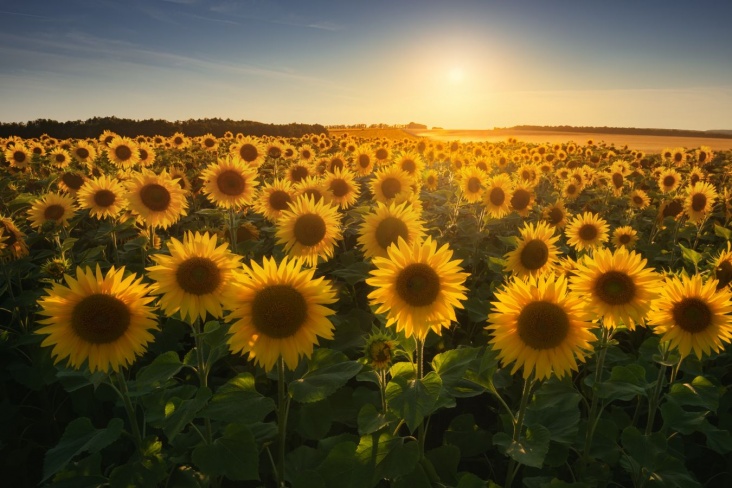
[456, 75]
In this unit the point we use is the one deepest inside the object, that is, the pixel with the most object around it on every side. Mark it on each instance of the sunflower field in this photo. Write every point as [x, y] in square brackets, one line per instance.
[341, 311]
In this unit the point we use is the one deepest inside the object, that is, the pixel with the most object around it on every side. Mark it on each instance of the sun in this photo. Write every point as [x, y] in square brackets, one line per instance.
[456, 75]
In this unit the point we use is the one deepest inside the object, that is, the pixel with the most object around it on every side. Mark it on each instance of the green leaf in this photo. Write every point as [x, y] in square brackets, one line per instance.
[340, 467]
[80, 436]
[234, 455]
[385, 456]
[370, 420]
[467, 436]
[416, 479]
[451, 365]
[529, 450]
[179, 413]
[675, 418]
[445, 460]
[625, 383]
[469, 480]
[76, 379]
[414, 399]
[556, 407]
[690, 255]
[722, 232]
[238, 401]
[313, 420]
[699, 393]
[353, 273]
[157, 373]
[328, 370]
[149, 470]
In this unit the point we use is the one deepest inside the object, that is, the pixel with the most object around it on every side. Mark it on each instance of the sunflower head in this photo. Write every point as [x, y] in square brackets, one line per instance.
[380, 349]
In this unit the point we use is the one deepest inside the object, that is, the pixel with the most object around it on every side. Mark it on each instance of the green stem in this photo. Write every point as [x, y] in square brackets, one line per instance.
[124, 394]
[593, 416]
[655, 396]
[382, 388]
[283, 408]
[518, 426]
[419, 358]
[202, 371]
[232, 229]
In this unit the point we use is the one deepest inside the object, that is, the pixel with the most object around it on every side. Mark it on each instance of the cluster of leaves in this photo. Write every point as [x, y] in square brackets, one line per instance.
[453, 427]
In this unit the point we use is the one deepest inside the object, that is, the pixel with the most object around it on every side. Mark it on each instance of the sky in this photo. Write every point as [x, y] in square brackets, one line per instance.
[453, 64]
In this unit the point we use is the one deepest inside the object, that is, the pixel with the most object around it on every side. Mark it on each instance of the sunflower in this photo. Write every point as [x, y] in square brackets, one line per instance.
[60, 158]
[84, 152]
[693, 315]
[639, 199]
[52, 207]
[472, 183]
[678, 156]
[156, 199]
[179, 141]
[522, 199]
[391, 185]
[699, 201]
[103, 196]
[146, 153]
[309, 230]
[555, 214]
[273, 198]
[209, 143]
[123, 152]
[382, 155]
[71, 182]
[411, 162]
[616, 286]
[704, 155]
[670, 208]
[418, 287]
[229, 183]
[380, 349]
[431, 179]
[527, 175]
[723, 267]
[179, 173]
[194, 277]
[669, 180]
[102, 319]
[279, 310]
[341, 188]
[571, 190]
[625, 236]
[586, 231]
[536, 253]
[385, 225]
[249, 150]
[299, 171]
[538, 325]
[307, 154]
[696, 175]
[497, 195]
[106, 137]
[14, 240]
[18, 156]
[335, 162]
[313, 187]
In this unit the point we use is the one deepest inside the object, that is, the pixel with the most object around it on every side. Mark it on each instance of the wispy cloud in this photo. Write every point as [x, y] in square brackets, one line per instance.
[22, 14]
[209, 19]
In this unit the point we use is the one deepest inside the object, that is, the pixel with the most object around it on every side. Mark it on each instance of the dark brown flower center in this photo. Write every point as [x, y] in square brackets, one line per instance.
[231, 183]
[698, 202]
[418, 284]
[692, 315]
[364, 160]
[534, 255]
[555, 215]
[279, 200]
[389, 230]
[624, 238]
[208, 142]
[520, 199]
[123, 152]
[336, 163]
[473, 184]
[82, 152]
[100, 318]
[542, 325]
[615, 288]
[274, 152]
[588, 232]
[60, 158]
[381, 154]
[19, 156]
[298, 173]
[313, 193]
[669, 181]
[340, 187]
[72, 180]
[409, 166]
[723, 273]
[104, 198]
[198, 275]
[54, 212]
[248, 152]
[309, 229]
[279, 311]
[497, 196]
[672, 209]
[143, 154]
[391, 187]
[155, 197]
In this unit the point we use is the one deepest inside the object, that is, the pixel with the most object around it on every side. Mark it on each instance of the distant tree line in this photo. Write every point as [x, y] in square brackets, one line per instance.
[721, 134]
[411, 125]
[92, 128]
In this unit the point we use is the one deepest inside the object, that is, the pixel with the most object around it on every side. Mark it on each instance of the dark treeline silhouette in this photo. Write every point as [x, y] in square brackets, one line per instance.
[92, 128]
[721, 134]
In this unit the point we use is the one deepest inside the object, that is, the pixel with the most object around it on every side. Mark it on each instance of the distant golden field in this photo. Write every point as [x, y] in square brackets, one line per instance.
[375, 133]
[652, 144]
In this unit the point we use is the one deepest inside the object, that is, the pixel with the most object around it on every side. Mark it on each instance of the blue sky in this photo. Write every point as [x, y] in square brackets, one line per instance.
[459, 64]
